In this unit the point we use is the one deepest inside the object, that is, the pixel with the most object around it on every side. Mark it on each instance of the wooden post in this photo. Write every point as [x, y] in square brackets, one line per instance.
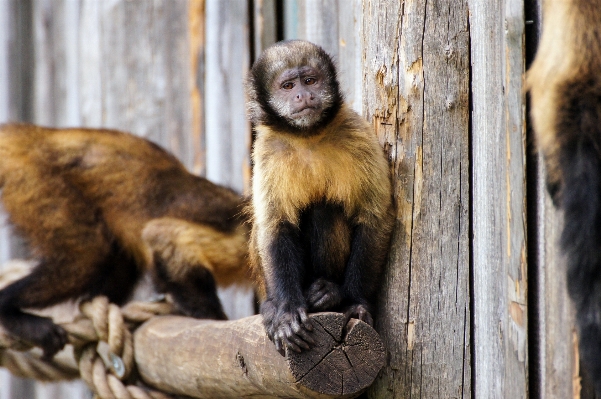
[498, 200]
[233, 359]
[416, 94]
[264, 25]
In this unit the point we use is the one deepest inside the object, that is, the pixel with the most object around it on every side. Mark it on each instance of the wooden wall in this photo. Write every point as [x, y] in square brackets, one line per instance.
[473, 301]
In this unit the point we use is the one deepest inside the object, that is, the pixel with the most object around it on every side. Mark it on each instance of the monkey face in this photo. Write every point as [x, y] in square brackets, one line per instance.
[300, 95]
[292, 88]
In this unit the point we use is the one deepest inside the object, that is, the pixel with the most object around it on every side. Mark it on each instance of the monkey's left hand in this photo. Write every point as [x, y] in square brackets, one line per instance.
[358, 311]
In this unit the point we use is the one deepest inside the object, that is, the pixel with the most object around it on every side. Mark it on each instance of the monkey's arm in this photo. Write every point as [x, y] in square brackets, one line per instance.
[285, 309]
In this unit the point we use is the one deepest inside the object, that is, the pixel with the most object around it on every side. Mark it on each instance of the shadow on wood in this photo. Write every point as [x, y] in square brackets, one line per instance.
[233, 359]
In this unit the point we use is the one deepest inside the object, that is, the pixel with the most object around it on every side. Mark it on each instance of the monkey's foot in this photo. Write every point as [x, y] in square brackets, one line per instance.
[323, 295]
[38, 331]
[359, 312]
[287, 328]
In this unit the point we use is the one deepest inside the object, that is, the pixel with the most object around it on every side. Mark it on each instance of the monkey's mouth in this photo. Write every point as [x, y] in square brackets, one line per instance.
[304, 111]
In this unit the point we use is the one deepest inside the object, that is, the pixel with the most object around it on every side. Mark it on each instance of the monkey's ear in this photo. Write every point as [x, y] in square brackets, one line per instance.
[253, 109]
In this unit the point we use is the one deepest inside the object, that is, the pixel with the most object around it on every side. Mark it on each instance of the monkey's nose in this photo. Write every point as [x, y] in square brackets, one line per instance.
[304, 95]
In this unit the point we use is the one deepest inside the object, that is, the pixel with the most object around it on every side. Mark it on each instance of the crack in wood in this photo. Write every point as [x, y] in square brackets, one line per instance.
[242, 363]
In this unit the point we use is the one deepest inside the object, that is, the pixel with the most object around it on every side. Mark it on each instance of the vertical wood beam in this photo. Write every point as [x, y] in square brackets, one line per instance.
[416, 94]
[498, 199]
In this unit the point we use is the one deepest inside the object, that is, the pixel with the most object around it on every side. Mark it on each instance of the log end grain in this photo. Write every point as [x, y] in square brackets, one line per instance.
[344, 361]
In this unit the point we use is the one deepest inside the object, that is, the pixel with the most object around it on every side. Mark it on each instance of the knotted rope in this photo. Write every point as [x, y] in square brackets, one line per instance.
[102, 348]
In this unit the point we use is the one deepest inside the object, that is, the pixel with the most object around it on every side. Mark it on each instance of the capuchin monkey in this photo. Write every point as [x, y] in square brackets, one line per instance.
[565, 89]
[321, 195]
[100, 207]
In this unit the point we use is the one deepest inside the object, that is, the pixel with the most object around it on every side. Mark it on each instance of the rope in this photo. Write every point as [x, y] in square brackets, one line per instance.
[107, 368]
[102, 346]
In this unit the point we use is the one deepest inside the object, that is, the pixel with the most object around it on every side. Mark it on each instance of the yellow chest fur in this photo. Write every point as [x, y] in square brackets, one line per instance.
[295, 172]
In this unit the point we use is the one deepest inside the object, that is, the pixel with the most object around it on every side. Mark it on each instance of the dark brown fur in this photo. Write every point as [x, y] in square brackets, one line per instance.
[565, 89]
[322, 203]
[100, 207]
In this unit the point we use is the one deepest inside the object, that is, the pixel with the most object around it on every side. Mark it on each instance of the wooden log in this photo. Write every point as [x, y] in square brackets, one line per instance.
[233, 359]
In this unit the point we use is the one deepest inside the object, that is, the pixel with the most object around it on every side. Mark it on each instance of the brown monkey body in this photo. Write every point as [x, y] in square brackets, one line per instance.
[565, 88]
[322, 204]
[100, 207]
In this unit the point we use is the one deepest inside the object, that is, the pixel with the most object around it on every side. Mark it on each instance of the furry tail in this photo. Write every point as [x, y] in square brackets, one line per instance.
[581, 241]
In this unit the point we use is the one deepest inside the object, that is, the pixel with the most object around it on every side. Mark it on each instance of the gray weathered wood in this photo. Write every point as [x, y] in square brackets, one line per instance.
[264, 25]
[416, 94]
[228, 60]
[499, 251]
[350, 51]
[558, 372]
[5, 36]
[8, 384]
[216, 359]
[227, 129]
[315, 21]
[558, 351]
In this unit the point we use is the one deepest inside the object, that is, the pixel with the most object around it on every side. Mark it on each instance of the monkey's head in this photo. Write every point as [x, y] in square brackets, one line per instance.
[292, 87]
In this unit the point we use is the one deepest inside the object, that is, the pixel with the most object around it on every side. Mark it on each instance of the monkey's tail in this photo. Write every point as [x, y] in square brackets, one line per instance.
[580, 162]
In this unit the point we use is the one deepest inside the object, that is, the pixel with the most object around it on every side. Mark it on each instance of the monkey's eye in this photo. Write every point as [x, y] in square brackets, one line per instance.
[310, 81]
[288, 86]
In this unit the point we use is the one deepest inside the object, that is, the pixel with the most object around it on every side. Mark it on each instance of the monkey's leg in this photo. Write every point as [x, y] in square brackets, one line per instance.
[37, 330]
[184, 256]
[328, 237]
[579, 129]
[69, 237]
[52, 281]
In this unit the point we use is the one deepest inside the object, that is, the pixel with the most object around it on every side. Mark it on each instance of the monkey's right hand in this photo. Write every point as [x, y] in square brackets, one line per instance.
[287, 326]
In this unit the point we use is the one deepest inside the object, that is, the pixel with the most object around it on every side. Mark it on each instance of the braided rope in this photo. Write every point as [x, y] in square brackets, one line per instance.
[101, 350]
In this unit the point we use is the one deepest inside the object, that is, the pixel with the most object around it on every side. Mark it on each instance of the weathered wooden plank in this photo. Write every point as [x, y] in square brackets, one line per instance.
[228, 59]
[556, 368]
[17, 91]
[558, 374]
[5, 36]
[145, 76]
[416, 93]
[315, 21]
[264, 25]
[350, 51]
[20, 53]
[55, 86]
[499, 257]
[227, 129]
[196, 35]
